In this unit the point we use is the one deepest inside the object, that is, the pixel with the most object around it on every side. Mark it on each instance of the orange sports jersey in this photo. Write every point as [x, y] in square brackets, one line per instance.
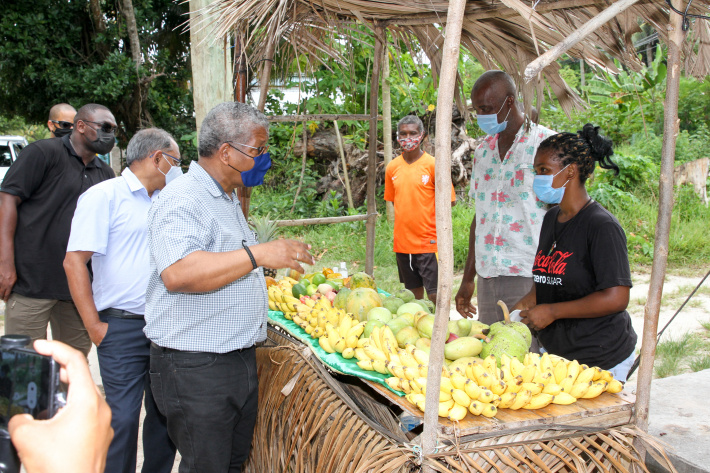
[411, 188]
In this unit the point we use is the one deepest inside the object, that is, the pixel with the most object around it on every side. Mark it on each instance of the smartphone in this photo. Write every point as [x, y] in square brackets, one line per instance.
[29, 384]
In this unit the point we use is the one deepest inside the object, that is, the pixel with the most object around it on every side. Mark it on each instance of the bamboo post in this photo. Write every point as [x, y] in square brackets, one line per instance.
[240, 95]
[387, 123]
[266, 73]
[535, 67]
[372, 154]
[444, 228]
[345, 165]
[676, 37]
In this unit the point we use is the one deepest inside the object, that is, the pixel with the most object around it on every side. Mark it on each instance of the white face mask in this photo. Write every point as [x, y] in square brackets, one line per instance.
[175, 172]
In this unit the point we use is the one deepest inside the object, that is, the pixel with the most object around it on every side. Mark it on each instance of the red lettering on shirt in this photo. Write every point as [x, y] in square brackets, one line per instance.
[551, 264]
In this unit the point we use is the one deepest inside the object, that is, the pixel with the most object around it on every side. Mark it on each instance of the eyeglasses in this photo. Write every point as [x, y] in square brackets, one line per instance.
[105, 127]
[260, 150]
[176, 161]
[63, 124]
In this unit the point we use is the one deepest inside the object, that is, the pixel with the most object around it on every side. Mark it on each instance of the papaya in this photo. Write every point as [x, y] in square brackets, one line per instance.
[360, 301]
[341, 298]
[362, 280]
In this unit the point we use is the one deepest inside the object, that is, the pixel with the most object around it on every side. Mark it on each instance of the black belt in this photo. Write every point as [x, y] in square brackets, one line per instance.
[120, 314]
[173, 350]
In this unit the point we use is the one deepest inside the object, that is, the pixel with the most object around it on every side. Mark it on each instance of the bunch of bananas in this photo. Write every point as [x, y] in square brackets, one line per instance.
[481, 388]
[341, 337]
[380, 352]
[281, 297]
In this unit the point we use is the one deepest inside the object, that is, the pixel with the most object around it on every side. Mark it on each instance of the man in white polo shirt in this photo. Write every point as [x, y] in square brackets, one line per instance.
[110, 229]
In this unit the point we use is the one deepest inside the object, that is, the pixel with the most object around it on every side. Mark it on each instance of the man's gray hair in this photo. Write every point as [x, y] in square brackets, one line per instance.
[411, 120]
[229, 122]
[146, 142]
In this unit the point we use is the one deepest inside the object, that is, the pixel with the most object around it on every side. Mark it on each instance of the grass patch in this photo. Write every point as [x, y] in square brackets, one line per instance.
[700, 363]
[691, 352]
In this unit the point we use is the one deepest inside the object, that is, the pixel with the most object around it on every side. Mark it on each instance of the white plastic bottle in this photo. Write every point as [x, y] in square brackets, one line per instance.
[343, 270]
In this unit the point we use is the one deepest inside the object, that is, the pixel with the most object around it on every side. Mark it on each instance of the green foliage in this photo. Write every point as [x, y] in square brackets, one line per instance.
[18, 126]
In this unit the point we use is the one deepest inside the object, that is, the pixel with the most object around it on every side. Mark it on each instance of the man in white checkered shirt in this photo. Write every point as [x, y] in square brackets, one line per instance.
[206, 302]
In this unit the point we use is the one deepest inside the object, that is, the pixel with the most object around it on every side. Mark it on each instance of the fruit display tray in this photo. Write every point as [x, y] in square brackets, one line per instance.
[606, 411]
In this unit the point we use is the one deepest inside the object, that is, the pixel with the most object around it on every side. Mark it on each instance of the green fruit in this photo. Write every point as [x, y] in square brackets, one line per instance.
[423, 344]
[333, 284]
[464, 326]
[311, 289]
[405, 294]
[318, 279]
[360, 301]
[362, 280]
[399, 323]
[462, 347]
[341, 298]
[407, 335]
[299, 290]
[370, 326]
[477, 328]
[392, 303]
[454, 328]
[379, 313]
[409, 308]
[506, 341]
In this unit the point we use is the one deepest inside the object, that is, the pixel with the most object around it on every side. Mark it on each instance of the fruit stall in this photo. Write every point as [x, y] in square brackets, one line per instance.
[345, 374]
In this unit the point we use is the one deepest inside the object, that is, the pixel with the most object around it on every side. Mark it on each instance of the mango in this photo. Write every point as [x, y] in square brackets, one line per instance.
[370, 326]
[407, 335]
[398, 323]
[379, 313]
[405, 294]
[409, 308]
[392, 304]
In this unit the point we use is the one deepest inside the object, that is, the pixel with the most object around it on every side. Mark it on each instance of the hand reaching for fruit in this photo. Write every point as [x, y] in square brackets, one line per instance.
[279, 254]
[538, 317]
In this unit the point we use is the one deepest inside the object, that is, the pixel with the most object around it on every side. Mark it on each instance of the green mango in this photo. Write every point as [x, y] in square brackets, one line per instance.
[405, 294]
[392, 303]
[370, 326]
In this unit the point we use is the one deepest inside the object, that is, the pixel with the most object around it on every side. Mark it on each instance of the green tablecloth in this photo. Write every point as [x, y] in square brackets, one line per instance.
[333, 360]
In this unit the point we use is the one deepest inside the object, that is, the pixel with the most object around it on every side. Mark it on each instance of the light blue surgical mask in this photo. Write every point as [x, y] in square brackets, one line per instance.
[489, 123]
[542, 186]
[175, 171]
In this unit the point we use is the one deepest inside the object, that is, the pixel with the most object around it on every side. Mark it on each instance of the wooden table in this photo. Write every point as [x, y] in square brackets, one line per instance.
[605, 411]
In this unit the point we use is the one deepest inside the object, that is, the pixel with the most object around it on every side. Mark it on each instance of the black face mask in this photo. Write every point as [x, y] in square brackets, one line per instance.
[103, 143]
[59, 132]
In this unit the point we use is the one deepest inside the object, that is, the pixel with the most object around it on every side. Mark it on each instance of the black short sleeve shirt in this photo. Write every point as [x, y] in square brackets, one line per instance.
[48, 177]
[590, 255]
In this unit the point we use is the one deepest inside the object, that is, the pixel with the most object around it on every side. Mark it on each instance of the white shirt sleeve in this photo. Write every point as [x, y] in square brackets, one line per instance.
[91, 223]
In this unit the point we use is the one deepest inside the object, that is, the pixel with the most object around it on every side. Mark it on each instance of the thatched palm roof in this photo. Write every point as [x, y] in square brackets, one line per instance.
[505, 34]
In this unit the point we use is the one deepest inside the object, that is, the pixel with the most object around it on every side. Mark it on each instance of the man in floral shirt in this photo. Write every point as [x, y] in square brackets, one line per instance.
[506, 227]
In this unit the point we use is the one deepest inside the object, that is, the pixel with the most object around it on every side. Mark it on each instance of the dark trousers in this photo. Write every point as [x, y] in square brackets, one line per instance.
[210, 401]
[124, 359]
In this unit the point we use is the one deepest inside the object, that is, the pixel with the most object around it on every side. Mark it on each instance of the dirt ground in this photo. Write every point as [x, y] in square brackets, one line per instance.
[676, 289]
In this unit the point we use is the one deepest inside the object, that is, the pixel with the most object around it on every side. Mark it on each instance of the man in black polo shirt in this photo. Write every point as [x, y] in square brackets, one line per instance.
[37, 202]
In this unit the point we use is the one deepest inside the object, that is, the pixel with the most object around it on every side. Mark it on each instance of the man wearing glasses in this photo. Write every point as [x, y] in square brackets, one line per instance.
[110, 229]
[37, 202]
[61, 120]
[206, 302]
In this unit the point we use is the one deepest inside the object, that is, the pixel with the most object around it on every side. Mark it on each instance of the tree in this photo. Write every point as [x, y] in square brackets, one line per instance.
[126, 55]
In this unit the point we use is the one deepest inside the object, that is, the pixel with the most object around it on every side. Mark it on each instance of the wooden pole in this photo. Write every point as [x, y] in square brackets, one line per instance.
[535, 67]
[319, 221]
[345, 165]
[372, 154]
[311, 117]
[266, 73]
[304, 158]
[387, 123]
[676, 37]
[240, 95]
[444, 228]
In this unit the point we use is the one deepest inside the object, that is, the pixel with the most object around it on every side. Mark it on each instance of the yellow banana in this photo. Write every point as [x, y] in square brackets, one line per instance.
[597, 374]
[272, 305]
[396, 370]
[505, 367]
[481, 376]
[393, 383]
[379, 366]
[375, 338]
[404, 384]
[552, 388]
[580, 389]
[414, 387]
[560, 372]
[615, 386]
[521, 400]
[445, 407]
[585, 376]
[360, 354]
[573, 370]
[407, 359]
[374, 353]
[461, 397]
[544, 377]
[356, 330]
[348, 353]
[325, 345]
[534, 388]
[415, 398]
[351, 342]
[362, 341]
[566, 384]
[532, 359]
[490, 364]
[607, 376]
[476, 407]
[516, 367]
[458, 381]
[486, 396]
[344, 326]
[514, 385]
[546, 362]
[595, 389]
[410, 373]
[563, 399]
[421, 356]
[528, 373]
[457, 412]
[539, 401]
[489, 410]
[471, 389]
[423, 370]
[340, 345]
[507, 400]
[446, 384]
[499, 387]
[444, 396]
[364, 364]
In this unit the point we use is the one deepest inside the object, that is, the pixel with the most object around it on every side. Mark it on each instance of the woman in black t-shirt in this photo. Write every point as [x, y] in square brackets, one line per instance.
[581, 269]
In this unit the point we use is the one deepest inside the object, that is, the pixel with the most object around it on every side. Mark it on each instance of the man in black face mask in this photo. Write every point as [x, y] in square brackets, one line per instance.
[61, 119]
[37, 202]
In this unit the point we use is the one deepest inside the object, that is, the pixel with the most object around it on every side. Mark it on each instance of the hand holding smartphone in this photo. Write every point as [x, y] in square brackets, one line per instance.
[77, 438]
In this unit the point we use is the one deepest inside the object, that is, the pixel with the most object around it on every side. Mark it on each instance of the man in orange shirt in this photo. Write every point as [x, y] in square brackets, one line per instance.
[409, 184]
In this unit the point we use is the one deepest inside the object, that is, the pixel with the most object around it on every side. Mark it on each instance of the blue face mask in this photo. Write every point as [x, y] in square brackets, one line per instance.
[542, 186]
[489, 123]
[255, 176]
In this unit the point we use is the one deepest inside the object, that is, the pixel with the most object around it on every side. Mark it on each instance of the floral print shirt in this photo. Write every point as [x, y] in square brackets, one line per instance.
[508, 212]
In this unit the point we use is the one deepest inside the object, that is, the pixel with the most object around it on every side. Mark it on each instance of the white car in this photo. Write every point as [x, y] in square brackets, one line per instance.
[10, 147]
